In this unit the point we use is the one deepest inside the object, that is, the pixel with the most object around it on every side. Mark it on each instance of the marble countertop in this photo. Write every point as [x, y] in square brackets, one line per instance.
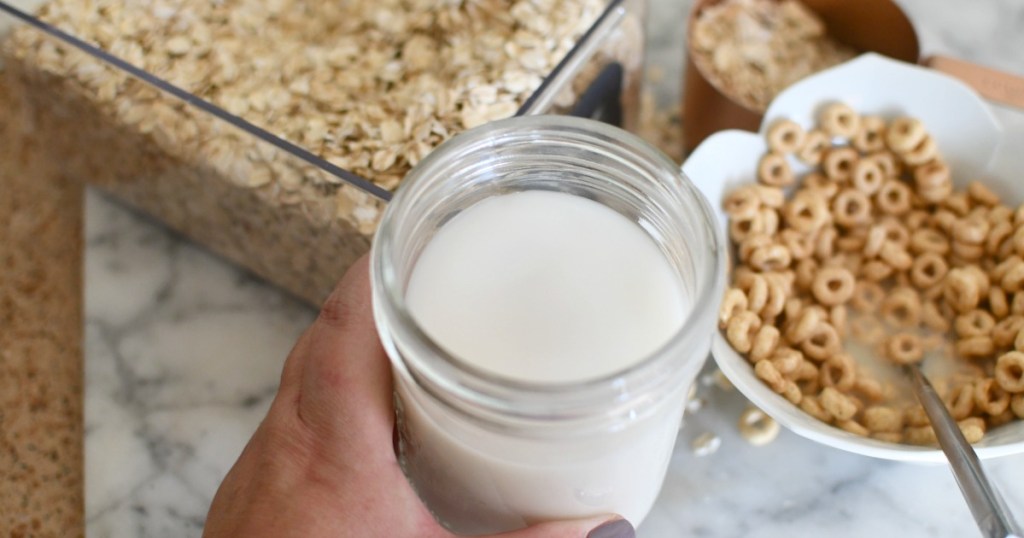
[183, 353]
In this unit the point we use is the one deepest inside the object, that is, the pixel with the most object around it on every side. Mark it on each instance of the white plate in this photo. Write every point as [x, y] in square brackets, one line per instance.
[970, 139]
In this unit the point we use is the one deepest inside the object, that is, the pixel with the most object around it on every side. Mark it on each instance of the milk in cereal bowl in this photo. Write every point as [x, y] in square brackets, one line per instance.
[852, 250]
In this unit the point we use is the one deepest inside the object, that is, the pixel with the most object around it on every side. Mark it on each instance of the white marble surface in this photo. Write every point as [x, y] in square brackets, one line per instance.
[183, 353]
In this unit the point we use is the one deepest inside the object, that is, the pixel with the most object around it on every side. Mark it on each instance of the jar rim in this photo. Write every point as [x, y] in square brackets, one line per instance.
[439, 371]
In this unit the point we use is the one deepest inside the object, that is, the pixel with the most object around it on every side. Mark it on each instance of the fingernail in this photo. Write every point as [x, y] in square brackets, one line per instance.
[619, 528]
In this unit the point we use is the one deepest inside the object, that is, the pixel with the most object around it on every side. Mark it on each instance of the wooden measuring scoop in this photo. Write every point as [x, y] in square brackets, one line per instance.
[867, 26]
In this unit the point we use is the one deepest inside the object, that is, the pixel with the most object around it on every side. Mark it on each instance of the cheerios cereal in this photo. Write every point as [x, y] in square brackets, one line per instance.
[875, 248]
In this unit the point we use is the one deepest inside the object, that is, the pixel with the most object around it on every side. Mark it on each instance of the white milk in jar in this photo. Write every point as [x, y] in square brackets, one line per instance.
[533, 284]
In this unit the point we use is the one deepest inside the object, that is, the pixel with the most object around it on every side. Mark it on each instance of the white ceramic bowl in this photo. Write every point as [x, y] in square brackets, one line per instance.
[970, 139]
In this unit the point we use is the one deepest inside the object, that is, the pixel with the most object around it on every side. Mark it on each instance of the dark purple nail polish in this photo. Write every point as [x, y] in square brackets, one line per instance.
[619, 528]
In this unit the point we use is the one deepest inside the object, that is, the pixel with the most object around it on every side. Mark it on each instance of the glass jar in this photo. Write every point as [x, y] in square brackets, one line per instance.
[489, 454]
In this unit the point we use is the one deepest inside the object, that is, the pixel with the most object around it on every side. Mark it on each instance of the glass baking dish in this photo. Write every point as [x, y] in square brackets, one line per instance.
[129, 98]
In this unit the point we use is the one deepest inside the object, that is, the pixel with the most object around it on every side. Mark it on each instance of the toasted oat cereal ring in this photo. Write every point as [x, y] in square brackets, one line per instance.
[1017, 304]
[916, 219]
[839, 120]
[977, 322]
[915, 415]
[742, 227]
[960, 401]
[869, 388]
[876, 271]
[805, 271]
[803, 326]
[800, 245]
[758, 428]
[769, 219]
[765, 342]
[772, 197]
[932, 318]
[812, 406]
[851, 208]
[751, 243]
[734, 302]
[896, 256]
[896, 232]
[875, 239]
[850, 242]
[1005, 332]
[785, 136]
[794, 305]
[1000, 270]
[958, 203]
[971, 231]
[1013, 280]
[990, 397]
[1017, 240]
[997, 303]
[920, 435]
[867, 296]
[1009, 372]
[901, 308]
[813, 149]
[961, 291]
[999, 213]
[973, 429]
[770, 258]
[980, 276]
[786, 360]
[923, 153]
[904, 134]
[966, 252]
[765, 371]
[867, 177]
[853, 427]
[821, 184]
[944, 220]
[774, 171]
[741, 330]
[776, 300]
[837, 404]
[823, 342]
[833, 286]
[807, 374]
[887, 161]
[893, 198]
[980, 193]
[756, 288]
[882, 418]
[839, 164]
[870, 136]
[742, 202]
[806, 212]
[838, 371]
[904, 348]
[838, 316]
[933, 182]
[1017, 405]
[975, 347]
[825, 243]
[928, 270]
[996, 236]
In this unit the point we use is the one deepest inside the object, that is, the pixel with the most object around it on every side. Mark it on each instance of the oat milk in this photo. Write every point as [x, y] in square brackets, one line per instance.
[549, 288]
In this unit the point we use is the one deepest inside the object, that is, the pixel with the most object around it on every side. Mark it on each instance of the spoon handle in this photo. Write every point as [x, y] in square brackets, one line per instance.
[986, 505]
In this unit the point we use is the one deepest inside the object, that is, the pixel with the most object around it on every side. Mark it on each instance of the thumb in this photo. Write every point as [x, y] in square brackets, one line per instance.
[598, 527]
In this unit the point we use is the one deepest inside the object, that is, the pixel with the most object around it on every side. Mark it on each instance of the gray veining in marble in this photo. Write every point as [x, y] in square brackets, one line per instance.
[183, 353]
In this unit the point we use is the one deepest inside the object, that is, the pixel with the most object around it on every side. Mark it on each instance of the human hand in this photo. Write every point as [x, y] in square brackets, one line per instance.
[322, 463]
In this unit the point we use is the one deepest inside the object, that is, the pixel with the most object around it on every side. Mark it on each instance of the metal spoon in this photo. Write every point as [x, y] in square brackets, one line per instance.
[990, 512]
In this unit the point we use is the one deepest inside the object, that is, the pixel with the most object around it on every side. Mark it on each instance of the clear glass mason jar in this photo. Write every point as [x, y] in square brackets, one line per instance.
[489, 454]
